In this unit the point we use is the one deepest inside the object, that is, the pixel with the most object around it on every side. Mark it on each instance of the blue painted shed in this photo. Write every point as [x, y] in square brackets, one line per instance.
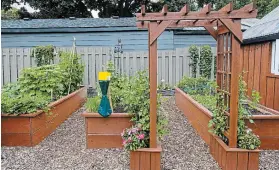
[98, 32]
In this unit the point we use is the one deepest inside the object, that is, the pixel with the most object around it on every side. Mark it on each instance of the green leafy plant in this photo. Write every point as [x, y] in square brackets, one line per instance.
[205, 63]
[208, 101]
[194, 56]
[44, 55]
[46, 80]
[13, 102]
[198, 85]
[72, 70]
[134, 138]
[92, 104]
[245, 138]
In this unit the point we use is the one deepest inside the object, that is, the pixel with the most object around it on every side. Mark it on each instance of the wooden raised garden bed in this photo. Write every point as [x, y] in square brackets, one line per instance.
[266, 126]
[31, 129]
[233, 158]
[105, 132]
[146, 159]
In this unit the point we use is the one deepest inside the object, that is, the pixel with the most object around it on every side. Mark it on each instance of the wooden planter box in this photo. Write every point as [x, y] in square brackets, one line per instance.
[31, 129]
[266, 126]
[146, 159]
[233, 158]
[105, 132]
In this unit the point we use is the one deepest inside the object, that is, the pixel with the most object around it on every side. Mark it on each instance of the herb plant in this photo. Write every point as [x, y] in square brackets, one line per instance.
[92, 104]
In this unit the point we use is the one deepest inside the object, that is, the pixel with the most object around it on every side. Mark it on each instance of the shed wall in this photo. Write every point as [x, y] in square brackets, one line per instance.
[256, 63]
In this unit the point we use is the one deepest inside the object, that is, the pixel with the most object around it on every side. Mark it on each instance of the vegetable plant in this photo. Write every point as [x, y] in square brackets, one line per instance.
[44, 55]
[92, 104]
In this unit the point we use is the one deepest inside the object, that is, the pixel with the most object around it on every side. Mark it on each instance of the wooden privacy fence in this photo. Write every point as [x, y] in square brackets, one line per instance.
[172, 64]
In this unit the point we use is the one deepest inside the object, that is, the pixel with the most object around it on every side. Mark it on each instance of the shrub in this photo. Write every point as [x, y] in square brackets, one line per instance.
[194, 56]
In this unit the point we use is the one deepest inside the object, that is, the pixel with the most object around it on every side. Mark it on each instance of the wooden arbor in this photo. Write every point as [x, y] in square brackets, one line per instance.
[224, 25]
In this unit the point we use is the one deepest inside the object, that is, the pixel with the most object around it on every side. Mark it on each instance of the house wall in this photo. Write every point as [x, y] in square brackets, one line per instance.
[131, 40]
[256, 62]
[180, 41]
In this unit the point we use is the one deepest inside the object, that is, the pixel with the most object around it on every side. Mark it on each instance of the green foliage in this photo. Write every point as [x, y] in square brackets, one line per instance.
[134, 138]
[194, 56]
[208, 101]
[13, 102]
[72, 71]
[10, 14]
[92, 104]
[46, 80]
[195, 86]
[249, 140]
[43, 55]
[244, 135]
[245, 138]
[205, 61]
[219, 121]
[132, 94]
[38, 86]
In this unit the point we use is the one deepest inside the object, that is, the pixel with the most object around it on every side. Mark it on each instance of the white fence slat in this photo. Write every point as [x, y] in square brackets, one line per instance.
[13, 65]
[7, 71]
[172, 64]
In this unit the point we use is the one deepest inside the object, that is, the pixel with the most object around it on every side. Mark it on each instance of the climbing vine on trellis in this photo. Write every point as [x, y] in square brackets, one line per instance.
[205, 63]
[194, 56]
[201, 60]
[43, 55]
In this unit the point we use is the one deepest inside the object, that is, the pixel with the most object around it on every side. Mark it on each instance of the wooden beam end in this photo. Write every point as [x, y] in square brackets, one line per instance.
[185, 10]
[142, 10]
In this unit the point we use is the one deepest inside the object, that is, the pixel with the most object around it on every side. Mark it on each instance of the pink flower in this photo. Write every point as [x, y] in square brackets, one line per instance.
[124, 142]
[141, 136]
[129, 140]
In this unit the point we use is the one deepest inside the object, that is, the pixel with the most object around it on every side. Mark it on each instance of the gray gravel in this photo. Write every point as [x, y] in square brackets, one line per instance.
[65, 148]
[183, 147]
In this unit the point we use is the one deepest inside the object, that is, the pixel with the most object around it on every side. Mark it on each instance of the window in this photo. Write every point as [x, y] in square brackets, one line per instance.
[275, 57]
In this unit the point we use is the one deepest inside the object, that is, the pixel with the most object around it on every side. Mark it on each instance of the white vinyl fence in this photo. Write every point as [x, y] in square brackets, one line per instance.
[172, 65]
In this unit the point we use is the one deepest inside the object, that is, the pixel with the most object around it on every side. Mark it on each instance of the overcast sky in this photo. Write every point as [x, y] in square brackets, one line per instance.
[30, 9]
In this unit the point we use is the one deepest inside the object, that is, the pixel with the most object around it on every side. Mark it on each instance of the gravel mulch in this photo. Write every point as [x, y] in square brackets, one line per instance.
[183, 149]
[65, 149]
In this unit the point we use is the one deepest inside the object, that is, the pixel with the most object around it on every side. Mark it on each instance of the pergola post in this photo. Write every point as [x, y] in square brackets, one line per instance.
[235, 72]
[153, 84]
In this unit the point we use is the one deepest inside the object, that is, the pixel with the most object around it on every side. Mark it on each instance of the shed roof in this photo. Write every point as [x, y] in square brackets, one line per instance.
[264, 30]
[83, 25]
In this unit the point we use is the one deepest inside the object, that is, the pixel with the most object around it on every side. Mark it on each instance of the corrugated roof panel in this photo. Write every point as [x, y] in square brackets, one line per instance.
[267, 26]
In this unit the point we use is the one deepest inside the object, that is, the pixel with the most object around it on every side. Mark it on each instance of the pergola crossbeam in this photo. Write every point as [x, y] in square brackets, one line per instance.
[247, 11]
[181, 24]
[156, 23]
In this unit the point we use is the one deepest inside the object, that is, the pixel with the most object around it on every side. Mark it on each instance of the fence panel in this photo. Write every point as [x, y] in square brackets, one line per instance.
[172, 65]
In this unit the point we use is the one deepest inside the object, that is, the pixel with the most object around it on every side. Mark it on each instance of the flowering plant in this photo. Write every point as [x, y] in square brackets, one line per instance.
[134, 138]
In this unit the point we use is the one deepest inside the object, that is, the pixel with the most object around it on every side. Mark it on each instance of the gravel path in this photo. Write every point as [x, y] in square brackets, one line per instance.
[183, 147]
[65, 149]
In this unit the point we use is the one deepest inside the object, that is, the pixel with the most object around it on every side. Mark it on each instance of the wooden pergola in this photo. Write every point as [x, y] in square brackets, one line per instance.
[224, 25]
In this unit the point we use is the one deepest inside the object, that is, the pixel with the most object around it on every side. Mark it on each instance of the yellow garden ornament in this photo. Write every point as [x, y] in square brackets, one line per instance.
[103, 76]
[105, 108]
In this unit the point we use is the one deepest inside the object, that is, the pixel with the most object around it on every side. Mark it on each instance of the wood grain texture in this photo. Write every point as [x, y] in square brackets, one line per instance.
[110, 125]
[233, 158]
[146, 159]
[35, 128]
[104, 141]
[267, 128]
[270, 89]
